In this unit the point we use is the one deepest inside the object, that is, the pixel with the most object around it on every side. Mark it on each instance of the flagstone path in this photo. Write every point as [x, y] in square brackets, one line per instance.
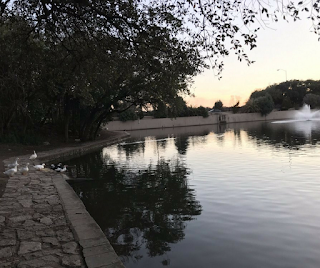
[43, 223]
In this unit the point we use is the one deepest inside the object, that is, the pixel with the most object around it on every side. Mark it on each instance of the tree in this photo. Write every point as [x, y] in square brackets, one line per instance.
[202, 111]
[251, 106]
[265, 104]
[289, 94]
[312, 99]
[161, 110]
[177, 107]
[128, 115]
[218, 105]
[262, 104]
[85, 60]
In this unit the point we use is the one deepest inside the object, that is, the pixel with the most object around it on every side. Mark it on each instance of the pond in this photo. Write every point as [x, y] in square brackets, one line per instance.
[242, 195]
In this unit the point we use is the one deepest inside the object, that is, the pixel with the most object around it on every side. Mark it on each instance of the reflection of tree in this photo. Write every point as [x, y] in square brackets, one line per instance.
[182, 141]
[132, 148]
[145, 210]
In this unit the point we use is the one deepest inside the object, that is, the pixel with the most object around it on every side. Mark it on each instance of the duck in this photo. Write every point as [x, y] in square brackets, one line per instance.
[33, 156]
[14, 164]
[39, 167]
[11, 172]
[24, 170]
[59, 169]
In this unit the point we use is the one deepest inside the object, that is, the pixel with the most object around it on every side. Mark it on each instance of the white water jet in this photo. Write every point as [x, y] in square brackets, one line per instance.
[304, 122]
[305, 113]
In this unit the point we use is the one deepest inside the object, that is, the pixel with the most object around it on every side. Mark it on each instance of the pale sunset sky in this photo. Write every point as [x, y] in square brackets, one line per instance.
[288, 46]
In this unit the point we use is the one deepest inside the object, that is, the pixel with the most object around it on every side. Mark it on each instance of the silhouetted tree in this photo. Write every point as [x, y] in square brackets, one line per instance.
[218, 105]
[312, 99]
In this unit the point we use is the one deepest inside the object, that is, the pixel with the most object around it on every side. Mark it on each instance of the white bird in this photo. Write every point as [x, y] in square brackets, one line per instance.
[24, 170]
[64, 169]
[39, 167]
[33, 156]
[14, 164]
[11, 172]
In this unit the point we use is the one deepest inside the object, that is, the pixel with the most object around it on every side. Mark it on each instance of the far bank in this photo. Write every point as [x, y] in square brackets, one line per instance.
[149, 122]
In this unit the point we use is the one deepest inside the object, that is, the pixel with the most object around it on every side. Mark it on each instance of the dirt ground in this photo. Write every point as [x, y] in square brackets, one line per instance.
[11, 150]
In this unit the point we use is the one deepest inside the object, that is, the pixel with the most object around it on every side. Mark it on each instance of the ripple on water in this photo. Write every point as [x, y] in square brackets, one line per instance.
[258, 187]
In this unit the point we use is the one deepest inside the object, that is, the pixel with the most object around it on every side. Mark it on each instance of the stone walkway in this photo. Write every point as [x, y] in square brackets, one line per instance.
[43, 223]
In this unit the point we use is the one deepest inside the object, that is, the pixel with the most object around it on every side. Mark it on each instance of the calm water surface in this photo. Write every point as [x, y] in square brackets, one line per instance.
[243, 195]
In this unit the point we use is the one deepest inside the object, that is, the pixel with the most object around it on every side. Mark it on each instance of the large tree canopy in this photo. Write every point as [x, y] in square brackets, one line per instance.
[74, 63]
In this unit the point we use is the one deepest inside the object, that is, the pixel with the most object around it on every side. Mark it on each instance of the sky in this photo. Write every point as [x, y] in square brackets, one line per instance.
[291, 47]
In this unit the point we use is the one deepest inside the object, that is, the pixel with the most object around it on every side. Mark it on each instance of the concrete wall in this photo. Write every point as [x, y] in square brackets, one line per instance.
[151, 123]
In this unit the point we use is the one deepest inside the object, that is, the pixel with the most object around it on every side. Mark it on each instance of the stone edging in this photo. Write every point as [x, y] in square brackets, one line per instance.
[96, 248]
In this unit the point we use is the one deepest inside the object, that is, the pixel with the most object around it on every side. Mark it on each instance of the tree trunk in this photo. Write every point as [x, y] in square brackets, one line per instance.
[8, 121]
[88, 125]
[100, 120]
[67, 115]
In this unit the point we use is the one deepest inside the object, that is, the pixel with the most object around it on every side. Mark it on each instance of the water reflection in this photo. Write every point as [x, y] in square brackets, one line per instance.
[142, 213]
[257, 209]
[291, 135]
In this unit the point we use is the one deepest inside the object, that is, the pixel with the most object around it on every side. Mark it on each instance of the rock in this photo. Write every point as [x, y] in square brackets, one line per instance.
[70, 248]
[5, 252]
[45, 232]
[7, 242]
[37, 263]
[65, 235]
[46, 221]
[51, 240]
[25, 235]
[71, 261]
[26, 203]
[20, 218]
[26, 247]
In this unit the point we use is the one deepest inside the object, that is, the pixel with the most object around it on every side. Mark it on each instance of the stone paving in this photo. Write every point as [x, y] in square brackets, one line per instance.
[33, 225]
[43, 223]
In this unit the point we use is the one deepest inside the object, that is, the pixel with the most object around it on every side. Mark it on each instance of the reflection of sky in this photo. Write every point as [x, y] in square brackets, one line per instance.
[260, 195]
[304, 128]
[148, 154]
[210, 146]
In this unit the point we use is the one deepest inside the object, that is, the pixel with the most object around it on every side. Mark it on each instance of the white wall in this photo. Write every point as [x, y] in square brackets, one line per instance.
[151, 123]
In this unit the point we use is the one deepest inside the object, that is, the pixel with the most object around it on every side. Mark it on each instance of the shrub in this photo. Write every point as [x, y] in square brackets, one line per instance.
[202, 111]
[265, 104]
[128, 115]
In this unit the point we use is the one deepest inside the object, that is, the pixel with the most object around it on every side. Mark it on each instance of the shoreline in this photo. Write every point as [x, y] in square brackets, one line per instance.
[44, 223]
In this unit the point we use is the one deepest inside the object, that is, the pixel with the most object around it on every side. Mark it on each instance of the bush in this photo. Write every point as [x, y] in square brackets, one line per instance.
[28, 138]
[312, 99]
[202, 111]
[251, 106]
[128, 115]
[265, 104]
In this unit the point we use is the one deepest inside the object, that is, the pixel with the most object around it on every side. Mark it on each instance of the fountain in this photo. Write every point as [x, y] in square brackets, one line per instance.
[304, 122]
[305, 113]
